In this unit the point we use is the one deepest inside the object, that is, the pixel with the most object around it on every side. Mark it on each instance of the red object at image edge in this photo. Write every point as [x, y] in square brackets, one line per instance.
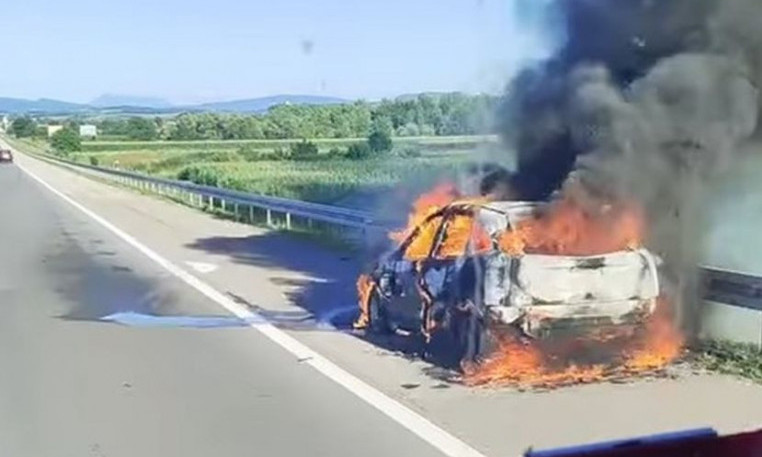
[696, 443]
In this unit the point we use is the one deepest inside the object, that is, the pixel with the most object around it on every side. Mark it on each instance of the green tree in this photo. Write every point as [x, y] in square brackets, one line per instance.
[116, 127]
[140, 128]
[380, 141]
[428, 114]
[409, 129]
[66, 141]
[184, 128]
[382, 124]
[23, 127]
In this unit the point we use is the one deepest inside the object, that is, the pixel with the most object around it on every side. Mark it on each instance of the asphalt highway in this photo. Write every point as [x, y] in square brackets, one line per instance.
[72, 385]
[134, 326]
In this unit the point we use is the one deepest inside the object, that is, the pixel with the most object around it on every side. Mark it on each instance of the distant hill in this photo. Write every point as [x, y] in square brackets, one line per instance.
[43, 105]
[258, 105]
[408, 97]
[117, 100]
[126, 105]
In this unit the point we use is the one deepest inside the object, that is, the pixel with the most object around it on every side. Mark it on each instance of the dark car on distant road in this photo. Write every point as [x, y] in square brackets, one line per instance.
[6, 156]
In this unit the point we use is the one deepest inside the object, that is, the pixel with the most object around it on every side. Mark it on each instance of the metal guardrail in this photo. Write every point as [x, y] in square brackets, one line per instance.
[344, 217]
[732, 288]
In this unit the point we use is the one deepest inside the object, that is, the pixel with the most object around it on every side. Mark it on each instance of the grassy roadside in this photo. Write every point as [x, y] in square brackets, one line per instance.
[440, 142]
[327, 179]
[325, 235]
[736, 359]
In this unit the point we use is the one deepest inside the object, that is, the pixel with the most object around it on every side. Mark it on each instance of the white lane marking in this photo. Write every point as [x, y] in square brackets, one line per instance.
[414, 422]
[202, 267]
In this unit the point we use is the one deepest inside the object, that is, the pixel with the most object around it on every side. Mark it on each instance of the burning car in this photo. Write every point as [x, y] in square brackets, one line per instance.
[535, 269]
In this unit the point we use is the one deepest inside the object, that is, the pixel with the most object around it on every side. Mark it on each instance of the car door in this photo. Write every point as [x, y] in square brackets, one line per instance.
[458, 240]
[404, 304]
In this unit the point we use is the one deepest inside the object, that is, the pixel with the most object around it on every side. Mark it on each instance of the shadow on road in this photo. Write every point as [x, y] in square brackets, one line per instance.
[326, 287]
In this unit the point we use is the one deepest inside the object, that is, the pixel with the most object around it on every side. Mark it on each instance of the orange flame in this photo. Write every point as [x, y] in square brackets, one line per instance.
[426, 205]
[365, 286]
[570, 227]
[523, 364]
[459, 231]
[660, 345]
[533, 365]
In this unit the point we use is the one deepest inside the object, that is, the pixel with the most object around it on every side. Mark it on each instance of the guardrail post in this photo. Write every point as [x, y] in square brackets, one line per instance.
[224, 206]
[288, 221]
[235, 210]
[251, 214]
[269, 218]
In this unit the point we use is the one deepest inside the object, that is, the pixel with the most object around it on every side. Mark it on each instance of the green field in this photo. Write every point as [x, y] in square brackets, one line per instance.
[423, 142]
[250, 165]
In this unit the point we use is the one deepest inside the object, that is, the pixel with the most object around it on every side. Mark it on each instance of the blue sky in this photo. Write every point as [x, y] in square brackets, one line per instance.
[202, 50]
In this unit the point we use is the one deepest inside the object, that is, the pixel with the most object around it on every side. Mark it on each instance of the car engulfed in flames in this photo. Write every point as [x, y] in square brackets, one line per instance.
[502, 277]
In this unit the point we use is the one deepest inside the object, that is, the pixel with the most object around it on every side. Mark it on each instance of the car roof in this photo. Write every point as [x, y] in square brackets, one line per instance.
[502, 207]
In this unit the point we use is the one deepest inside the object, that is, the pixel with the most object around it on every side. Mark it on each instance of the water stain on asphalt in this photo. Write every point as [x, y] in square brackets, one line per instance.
[285, 320]
[133, 319]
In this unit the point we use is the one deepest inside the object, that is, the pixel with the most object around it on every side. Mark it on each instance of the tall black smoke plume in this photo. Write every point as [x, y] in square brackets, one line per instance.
[646, 100]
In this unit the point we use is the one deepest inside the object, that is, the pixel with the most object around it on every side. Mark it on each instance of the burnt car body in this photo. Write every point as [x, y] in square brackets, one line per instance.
[6, 156]
[425, 284]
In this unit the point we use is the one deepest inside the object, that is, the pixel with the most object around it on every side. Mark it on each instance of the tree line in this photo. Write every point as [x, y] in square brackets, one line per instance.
[63, 141]
[424, 115]
[67, 140]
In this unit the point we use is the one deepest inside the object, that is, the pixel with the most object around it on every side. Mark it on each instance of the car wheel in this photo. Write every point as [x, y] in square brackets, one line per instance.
[379, 320]
[468, 334]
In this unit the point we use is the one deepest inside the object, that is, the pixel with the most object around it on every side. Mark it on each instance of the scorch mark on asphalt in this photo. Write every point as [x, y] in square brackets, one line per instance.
[409, 419]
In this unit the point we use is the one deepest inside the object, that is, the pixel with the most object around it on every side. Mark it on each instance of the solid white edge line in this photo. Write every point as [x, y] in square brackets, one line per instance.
[409, 419]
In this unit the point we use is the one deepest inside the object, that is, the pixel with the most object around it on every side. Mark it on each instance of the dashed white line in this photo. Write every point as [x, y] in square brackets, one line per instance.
[412, 421]
[202, 267]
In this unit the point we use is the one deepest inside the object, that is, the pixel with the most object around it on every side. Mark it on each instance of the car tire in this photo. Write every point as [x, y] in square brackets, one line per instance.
[379, 320]
[468, 335]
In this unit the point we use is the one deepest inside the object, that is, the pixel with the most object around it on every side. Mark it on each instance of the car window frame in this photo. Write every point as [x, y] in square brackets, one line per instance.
[467, 210]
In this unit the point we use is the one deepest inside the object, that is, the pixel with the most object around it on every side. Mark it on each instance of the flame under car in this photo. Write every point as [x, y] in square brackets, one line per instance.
[450, 273]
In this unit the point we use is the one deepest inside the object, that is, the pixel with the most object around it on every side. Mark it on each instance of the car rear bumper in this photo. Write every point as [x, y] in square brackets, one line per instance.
[537, 320]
